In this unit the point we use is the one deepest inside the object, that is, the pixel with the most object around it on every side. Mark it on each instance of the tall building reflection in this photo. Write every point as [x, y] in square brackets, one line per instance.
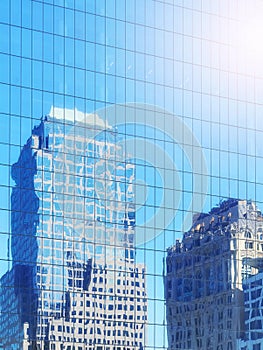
[74, 281]
[203, 284]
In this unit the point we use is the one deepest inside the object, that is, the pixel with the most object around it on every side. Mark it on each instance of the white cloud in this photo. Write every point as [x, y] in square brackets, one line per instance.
[74, 115]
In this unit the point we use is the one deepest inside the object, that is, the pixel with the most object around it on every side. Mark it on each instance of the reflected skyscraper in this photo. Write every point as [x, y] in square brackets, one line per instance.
[74, 281]
[203, 284]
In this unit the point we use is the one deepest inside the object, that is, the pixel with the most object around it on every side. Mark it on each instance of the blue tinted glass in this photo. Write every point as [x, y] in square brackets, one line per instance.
[131, 176]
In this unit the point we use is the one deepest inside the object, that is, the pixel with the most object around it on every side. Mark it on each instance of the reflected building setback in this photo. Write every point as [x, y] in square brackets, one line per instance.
[209, 273]
[74, 281]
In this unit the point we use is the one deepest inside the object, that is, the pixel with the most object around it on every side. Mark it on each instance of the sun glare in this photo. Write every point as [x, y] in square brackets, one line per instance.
[253, 35]
[249, 40]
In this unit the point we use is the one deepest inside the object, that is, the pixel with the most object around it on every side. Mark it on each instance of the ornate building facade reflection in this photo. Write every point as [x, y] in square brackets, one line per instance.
[74, 281]
[203, 285]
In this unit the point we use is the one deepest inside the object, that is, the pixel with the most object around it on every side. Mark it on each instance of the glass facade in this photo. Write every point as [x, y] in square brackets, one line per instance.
[131, 184]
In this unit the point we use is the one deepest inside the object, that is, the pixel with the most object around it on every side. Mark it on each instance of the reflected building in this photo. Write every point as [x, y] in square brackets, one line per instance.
[203, 284]
[253, 299]
[74, 281]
